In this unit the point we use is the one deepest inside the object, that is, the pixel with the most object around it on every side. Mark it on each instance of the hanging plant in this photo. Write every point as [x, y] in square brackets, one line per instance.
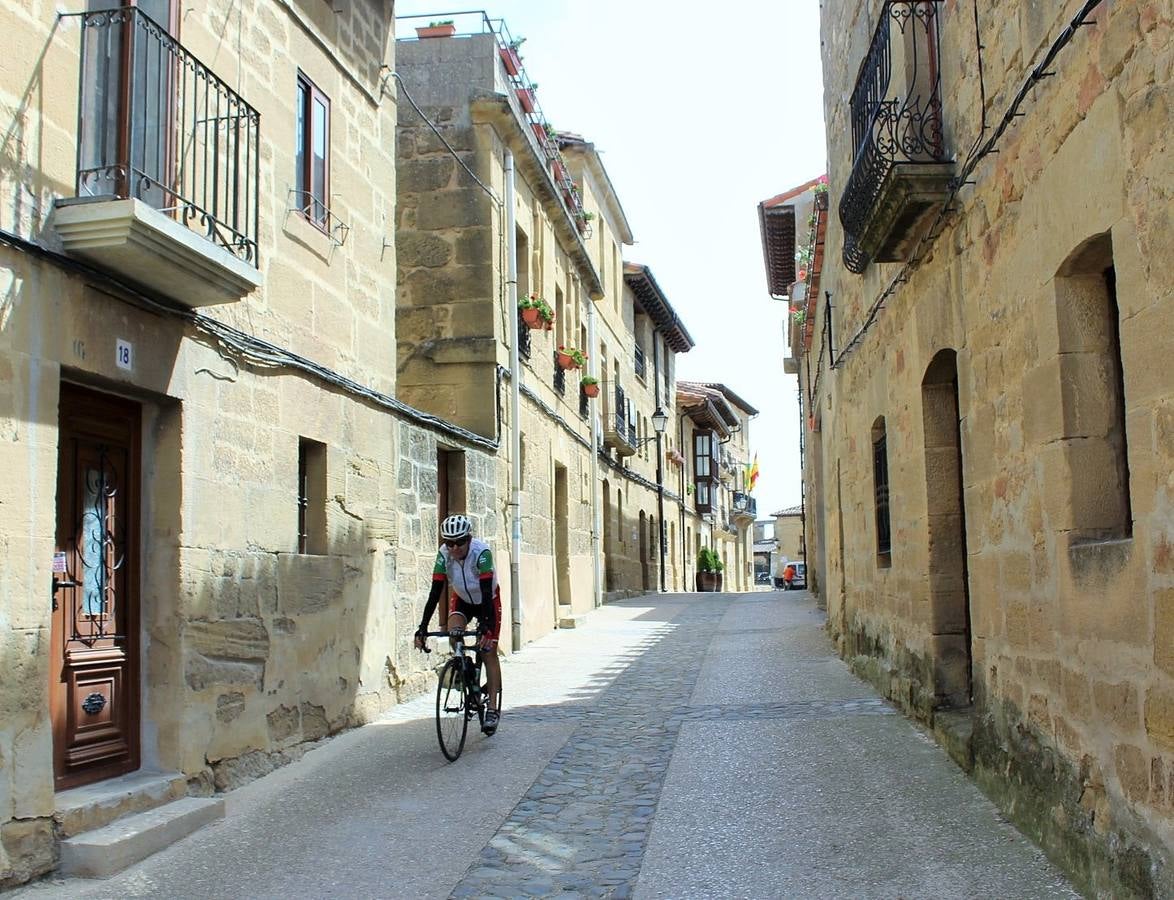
[571, 358]
[536, 312]
[510, 57]
[590, 385]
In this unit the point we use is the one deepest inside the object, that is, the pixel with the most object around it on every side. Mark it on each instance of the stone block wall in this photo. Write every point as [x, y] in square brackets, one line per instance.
[251, 650]
[1067, 654]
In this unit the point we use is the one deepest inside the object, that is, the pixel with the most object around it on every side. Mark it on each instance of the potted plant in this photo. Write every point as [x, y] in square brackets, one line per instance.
[707, 578]
[590, 385]
[510, 58]
[571, 358]
[526, 98]
[536, 312]
[444, 28]
[718, 566]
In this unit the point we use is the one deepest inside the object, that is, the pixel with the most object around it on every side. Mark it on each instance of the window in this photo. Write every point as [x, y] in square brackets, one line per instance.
[880, 484]
[704, 472]
[311, 496]
[1094, 416]
[313, 151]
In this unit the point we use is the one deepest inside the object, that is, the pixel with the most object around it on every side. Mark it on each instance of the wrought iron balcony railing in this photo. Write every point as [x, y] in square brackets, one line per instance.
[616, 431]
[745, 506]
[560, 376]
[900, 164]
[523, 337]
[157, 125]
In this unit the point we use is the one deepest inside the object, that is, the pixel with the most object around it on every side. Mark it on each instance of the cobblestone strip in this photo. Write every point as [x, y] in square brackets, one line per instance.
[582, 828]
[792, 709]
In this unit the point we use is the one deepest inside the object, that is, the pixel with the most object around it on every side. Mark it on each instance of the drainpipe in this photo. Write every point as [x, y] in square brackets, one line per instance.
[659, 458]
[596, 485]
[515, 410]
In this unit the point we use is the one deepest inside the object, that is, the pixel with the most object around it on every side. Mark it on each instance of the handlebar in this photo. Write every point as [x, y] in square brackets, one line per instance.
[476, 633]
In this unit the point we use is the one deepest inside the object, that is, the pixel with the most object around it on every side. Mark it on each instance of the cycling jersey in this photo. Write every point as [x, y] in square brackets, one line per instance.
[465, 575]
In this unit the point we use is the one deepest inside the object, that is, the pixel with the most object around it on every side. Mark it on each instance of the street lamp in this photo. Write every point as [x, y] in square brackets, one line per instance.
[660, 421]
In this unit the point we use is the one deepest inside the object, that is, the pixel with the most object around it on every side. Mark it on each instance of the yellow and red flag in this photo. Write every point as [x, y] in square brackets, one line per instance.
[752, 474]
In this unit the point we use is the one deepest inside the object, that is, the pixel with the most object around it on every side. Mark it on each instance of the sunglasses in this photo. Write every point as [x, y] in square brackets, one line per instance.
[459, 543]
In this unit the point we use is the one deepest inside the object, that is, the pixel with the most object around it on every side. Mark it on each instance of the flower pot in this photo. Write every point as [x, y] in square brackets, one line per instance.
[526, 99]
[532, 316]
[708, 581]
[540, 133]
[434, 31]
[559, 171]
[566, 361]
[591, 390]
[511, 60]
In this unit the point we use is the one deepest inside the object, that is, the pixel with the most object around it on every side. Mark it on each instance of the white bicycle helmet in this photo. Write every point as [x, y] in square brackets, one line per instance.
[455, 527]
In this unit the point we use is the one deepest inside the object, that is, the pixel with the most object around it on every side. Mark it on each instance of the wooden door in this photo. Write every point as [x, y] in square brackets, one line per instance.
[94, 673]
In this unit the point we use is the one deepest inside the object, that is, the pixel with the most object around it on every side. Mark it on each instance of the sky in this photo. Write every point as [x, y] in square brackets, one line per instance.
[696, 122]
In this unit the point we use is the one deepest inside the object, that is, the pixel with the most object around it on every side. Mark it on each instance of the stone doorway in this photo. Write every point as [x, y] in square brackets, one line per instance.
[946, 517]
[562, 555]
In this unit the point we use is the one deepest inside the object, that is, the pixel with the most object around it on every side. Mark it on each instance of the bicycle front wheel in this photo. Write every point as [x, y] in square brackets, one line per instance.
[451, 723]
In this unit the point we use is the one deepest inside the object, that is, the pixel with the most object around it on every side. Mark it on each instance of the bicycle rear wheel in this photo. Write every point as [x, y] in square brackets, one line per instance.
[451, 723]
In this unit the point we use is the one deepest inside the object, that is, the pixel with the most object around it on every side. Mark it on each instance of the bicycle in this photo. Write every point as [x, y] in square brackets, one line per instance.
[460, 694]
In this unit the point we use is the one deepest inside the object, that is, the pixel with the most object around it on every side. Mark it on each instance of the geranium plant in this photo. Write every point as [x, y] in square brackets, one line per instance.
[536, 312]
[572, 357]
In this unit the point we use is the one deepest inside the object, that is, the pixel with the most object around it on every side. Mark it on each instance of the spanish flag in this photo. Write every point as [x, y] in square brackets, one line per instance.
[752, 474]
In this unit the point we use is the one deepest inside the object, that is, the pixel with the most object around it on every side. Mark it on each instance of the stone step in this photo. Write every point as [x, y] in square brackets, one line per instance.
[954, 730]
[97, 805]
[109, 850]
[571, 620]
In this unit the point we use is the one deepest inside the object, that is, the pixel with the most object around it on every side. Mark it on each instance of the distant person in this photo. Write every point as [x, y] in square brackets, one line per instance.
[788, 577]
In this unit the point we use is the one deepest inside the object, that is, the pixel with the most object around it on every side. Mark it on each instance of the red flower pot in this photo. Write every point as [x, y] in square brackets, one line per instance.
[591, 390]
[434, 31]
[526, 99]
[566, 361]
[532, 317]
[511, 60]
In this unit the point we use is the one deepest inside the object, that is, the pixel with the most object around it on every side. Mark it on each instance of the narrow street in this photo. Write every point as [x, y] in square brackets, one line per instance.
[685, 746]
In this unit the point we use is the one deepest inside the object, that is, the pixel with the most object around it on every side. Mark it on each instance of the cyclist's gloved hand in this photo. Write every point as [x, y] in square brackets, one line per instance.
[419, 638]
[487, 642]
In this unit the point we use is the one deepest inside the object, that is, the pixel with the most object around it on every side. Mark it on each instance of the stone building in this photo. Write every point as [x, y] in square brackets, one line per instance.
[641, 502]
[217, 521]
[589, 510]
[789, 532]
[719, 510]
[985, 370]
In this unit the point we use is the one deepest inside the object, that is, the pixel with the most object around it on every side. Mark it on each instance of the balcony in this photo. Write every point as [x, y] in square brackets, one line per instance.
[745, 508]
[168, 166]
[617, 431]
[900, 170]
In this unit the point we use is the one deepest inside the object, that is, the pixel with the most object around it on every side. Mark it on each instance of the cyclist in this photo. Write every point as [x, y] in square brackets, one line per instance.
[466, 564]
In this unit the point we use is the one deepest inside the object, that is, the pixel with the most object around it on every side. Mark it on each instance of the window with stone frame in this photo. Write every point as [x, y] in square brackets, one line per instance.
[1093, 401]
[311, 494]
[880, 493]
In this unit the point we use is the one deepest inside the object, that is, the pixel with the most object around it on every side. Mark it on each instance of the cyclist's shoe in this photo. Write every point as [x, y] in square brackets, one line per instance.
[491, 719]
